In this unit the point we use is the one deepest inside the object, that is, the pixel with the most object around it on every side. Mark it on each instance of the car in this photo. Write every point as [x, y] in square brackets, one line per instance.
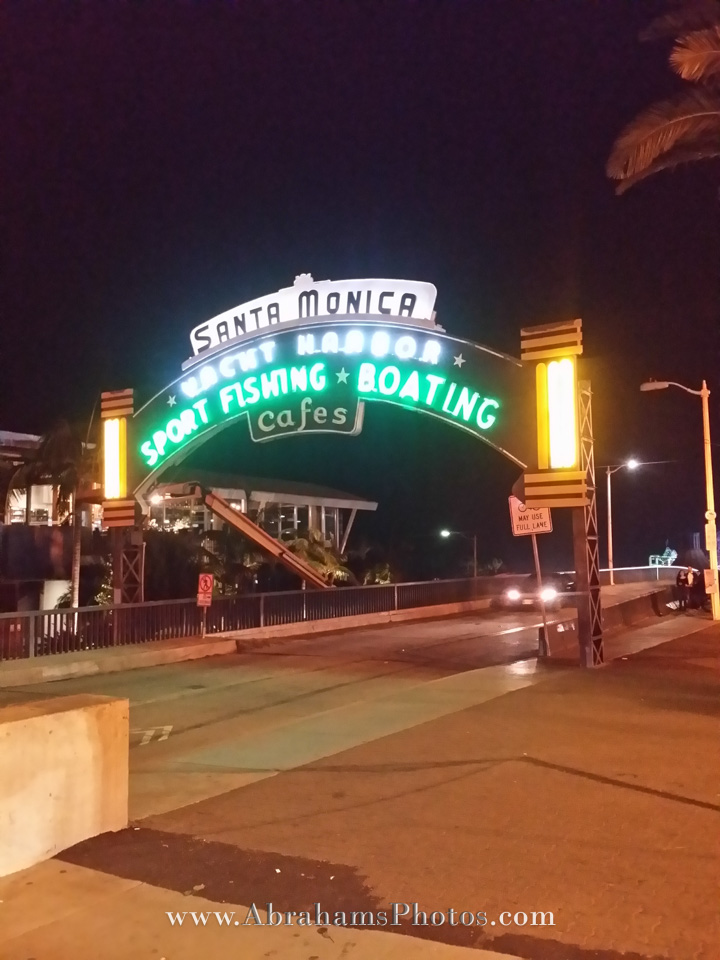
[524, 591]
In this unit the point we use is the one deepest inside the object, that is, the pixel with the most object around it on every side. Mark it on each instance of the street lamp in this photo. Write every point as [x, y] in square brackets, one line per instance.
[710, 528]
[467, 536]
[631, 464]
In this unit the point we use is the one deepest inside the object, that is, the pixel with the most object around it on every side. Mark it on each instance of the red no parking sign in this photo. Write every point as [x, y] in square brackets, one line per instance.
[205, 589]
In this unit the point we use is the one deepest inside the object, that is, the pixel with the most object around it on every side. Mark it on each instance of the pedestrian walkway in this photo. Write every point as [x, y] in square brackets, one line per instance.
[59, 911]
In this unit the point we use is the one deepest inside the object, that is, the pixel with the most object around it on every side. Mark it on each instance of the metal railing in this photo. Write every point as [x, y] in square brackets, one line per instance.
[46, 632]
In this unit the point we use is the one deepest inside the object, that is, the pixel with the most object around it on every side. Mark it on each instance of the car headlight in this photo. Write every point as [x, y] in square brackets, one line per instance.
[548, 593]
[513, 594]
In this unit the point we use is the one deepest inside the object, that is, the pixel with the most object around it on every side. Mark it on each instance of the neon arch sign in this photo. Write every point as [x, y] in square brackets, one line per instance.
[315, 374]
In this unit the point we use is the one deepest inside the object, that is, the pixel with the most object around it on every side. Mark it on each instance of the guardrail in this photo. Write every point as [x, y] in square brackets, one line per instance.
[46, 632]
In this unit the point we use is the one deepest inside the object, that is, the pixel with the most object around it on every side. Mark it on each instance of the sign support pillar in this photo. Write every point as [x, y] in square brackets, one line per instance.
[585, 544]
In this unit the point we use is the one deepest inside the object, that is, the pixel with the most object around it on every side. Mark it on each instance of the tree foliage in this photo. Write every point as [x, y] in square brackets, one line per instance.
[685, 128]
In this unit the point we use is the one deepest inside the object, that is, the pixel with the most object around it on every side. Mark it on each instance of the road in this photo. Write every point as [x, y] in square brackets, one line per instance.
[200, 728]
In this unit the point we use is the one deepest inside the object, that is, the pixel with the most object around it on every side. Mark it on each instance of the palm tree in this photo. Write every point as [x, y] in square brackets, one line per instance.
[686, 127]
[313, 549]
[64, 462]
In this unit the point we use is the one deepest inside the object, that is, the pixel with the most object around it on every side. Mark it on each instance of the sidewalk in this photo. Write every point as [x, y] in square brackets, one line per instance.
[58, 911]
[590, 794]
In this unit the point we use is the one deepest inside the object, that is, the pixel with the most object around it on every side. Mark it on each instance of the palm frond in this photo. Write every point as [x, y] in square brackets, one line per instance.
[690, 15]
[696, 56]
[683, 153]
[687, 118]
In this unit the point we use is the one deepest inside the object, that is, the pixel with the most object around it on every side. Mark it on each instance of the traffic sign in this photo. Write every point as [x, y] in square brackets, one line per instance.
[205, 589]
[527, 520]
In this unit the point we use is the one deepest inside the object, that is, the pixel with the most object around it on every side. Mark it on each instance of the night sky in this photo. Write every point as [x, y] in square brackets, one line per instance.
[166, 160]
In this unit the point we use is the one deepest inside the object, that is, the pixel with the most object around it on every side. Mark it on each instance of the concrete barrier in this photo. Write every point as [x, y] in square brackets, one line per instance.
[63, 775]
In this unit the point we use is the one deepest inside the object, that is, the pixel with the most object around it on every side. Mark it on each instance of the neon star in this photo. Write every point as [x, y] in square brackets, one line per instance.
[458, 361]
[342, 376]
[171, 401]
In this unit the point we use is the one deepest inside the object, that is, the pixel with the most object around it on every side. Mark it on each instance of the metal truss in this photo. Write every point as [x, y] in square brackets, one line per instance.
[585, 537]
[132, 573]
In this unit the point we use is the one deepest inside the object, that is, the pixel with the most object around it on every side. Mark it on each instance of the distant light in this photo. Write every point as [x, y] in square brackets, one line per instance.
[156, 498]
[632, 464]
[513, 594]
[235, 506]
[446, 533]
[548, 593]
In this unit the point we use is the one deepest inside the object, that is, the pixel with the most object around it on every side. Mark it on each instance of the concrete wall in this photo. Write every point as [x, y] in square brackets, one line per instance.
[63, 775]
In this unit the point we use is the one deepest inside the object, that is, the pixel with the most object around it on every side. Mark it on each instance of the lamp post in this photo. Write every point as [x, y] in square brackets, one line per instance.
[631, 464]
[710, 528]
[467, 536]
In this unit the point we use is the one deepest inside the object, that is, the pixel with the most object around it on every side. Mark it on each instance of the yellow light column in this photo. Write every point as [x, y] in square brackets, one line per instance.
[115, 457]
[562, 414]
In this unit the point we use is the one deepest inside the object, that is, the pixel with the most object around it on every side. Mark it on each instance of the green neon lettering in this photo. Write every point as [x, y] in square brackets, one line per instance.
[465, 404]
[160, 441]
[298, 379]
[487, 421]
[383, 386]
[175, 430]
[318, 380]
[200, 407]
[252, 394]
[434, 382]
[150, 453]
[269, 385]
[448, 398]
[226, 396]
[411, 387]
[366, 378]
[187, 418]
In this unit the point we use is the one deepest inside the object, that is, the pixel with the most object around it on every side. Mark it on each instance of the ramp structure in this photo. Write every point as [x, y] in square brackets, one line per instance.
[244, 525]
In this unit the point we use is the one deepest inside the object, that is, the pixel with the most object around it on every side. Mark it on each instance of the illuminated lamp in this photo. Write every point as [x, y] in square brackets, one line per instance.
[562, 416]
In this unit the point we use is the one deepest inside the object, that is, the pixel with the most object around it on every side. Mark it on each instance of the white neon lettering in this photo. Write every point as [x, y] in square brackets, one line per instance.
[405, 348]
[227, 367]
[266, 415]
[190, 387]
[354, 342]
[267, 347]
[306, 344]
[208, 378]
[431, 352]
[330, 342]
[380, 344]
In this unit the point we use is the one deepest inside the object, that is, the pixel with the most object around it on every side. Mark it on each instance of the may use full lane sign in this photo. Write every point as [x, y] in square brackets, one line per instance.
[528, 520]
